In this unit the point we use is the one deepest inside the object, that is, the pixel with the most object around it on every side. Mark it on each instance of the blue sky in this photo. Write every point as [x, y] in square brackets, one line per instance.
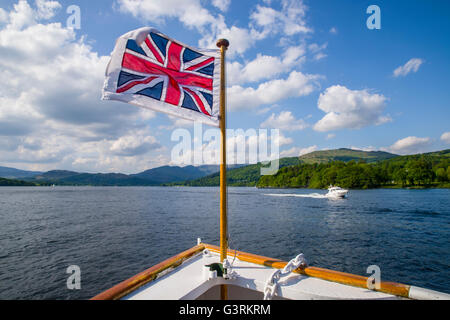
[336, 83]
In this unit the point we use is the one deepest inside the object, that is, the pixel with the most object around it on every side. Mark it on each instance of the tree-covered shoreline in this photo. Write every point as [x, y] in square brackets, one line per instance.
[16, 183]
[420, 173]
[431, 170]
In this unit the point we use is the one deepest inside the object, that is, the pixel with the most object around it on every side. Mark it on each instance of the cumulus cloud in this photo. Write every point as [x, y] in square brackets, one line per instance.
[264, 66]
[284, 121]
[50, 90]
[190, 13]
[412, 65]
[241, 39]
[265, 21]
[290, 20]
[296, 85]
[410, 145]
[221, 4]
[351, 109]
[446, 137]
[134, 143]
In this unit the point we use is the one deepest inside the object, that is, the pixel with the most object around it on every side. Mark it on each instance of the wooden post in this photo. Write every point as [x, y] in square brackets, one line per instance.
[223, 45]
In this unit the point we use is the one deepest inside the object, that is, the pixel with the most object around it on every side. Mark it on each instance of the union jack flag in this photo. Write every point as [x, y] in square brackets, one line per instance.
[151, 70]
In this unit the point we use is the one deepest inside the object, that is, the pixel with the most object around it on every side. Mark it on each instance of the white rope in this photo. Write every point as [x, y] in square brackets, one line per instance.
[272, 283]
[230, 274]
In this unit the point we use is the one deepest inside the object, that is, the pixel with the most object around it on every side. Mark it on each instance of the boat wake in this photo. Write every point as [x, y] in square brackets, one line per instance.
[309, 195]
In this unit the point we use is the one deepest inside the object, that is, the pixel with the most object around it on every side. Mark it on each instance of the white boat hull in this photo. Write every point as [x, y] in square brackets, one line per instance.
[337, 194]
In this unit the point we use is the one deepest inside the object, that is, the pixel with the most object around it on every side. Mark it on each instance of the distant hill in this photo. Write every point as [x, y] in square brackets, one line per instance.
[167, 174]
[151, 177]
[103, 179]
[345, 155]
[54, 175]
[11, 173]
[241, 176]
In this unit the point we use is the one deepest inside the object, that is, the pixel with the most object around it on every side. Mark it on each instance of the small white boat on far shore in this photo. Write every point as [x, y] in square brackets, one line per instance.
[336, 192]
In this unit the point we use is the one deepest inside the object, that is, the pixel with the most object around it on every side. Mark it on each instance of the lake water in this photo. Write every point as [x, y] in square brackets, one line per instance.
[113, 233]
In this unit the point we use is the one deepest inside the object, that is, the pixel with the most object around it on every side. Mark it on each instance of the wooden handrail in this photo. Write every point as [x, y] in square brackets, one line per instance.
[122, 289]
[393, 288]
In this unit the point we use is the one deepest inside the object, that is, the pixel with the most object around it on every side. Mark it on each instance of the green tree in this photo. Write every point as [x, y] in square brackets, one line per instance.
[441, 174]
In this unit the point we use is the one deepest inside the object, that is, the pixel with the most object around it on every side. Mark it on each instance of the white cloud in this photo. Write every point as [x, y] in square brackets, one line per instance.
[369, 148]
[289, 21]
[314, 47]
[243, 147]
[3, 16]
[190, 13]
[296, 85]
[412, 65]
[297, 152]
[193, 15]
[333, 30]
[410, 145]
[221, 4]
[265, 67]
[241, 39]
[137, 142]
[319, 56]
[284, 121]
[264, 21]
[265, 110]
[317, 50]
[177, 123]
[446, 137]
[330, 136]
[352, 109]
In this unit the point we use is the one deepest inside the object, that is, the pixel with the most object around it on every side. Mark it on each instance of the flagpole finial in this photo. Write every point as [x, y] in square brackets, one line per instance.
[223, 43]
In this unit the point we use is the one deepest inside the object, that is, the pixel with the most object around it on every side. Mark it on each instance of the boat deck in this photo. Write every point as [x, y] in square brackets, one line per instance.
[188, 282]
[186, 277]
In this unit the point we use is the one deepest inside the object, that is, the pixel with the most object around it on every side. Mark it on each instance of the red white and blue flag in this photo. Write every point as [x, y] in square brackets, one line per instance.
[153, 71]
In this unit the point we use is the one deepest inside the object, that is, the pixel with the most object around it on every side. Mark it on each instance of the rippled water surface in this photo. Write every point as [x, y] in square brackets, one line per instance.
[114, 233]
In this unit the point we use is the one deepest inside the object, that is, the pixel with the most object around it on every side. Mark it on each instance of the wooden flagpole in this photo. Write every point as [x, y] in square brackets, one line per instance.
[223, 45]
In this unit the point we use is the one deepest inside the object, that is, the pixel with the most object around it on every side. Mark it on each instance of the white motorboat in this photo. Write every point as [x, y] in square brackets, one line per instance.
[336, 192]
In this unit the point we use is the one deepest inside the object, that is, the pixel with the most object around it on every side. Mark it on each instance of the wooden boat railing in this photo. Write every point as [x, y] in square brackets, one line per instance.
[124, 288]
